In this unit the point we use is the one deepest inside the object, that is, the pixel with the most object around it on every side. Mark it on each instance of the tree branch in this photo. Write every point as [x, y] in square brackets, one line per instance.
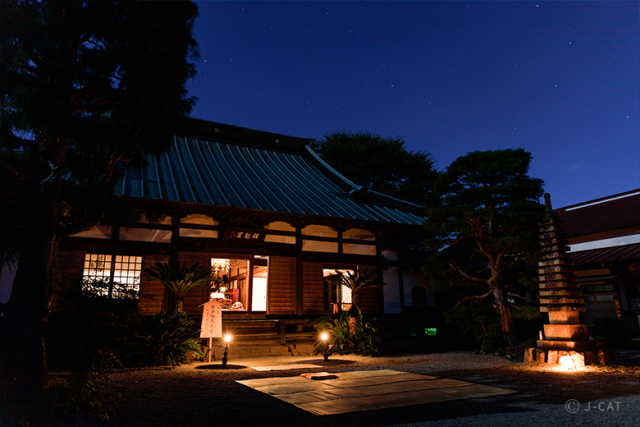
[459, 270]
[474, 297]
[509, 294]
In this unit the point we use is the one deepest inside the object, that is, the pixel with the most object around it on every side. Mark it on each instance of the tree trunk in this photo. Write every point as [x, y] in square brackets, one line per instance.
[501, 305]
[23, 364]
[23, 368]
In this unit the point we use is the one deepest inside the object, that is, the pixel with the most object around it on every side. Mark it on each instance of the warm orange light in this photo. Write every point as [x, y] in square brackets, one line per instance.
[567, 362]
[324, 336]
[227, 338]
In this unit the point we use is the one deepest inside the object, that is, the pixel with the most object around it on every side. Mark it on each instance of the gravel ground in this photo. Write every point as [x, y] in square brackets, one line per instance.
[201, 394]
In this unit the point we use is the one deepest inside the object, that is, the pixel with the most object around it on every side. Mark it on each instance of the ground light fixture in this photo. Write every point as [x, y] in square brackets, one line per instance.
[324, 337]
[227, 340]
[567, 362]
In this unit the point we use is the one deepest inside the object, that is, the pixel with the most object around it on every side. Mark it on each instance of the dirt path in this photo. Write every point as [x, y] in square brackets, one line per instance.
[200, 394]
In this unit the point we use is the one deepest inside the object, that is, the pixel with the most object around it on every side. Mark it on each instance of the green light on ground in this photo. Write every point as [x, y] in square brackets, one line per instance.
[430, 331]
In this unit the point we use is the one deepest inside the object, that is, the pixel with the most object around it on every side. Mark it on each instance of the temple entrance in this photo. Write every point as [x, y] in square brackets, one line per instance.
[240, 284]
[259, 284]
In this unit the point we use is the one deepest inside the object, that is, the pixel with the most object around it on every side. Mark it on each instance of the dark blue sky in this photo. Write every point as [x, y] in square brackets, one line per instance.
[560, 79]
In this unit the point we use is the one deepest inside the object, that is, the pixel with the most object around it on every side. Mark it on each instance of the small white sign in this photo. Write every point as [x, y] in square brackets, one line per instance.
[211, 320]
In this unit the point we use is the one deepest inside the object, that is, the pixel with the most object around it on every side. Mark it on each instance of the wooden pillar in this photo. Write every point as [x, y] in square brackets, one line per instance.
[299, 275]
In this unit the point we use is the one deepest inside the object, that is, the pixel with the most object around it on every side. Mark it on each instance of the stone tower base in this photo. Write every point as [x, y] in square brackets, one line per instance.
[580, 358]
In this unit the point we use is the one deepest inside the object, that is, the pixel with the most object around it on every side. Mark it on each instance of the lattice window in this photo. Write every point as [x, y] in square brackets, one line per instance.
[111, 276]
[346, 295]
[599, 301]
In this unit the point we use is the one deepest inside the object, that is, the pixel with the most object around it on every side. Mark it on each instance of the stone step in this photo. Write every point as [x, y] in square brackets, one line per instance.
[569, 332]
[561, 300]
[566, 345]
[548, 309]
[561, 292]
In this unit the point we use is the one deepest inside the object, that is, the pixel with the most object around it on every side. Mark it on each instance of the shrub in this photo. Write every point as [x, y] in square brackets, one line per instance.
[85, 322]
[163, 339]
[478, 322]
[87, 393]
[349, 332]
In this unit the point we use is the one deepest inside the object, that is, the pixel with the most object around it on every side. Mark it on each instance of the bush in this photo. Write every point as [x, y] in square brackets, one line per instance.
[349, 332]
[85, 323]
[87, 393]
[162, 339]
[479, 322]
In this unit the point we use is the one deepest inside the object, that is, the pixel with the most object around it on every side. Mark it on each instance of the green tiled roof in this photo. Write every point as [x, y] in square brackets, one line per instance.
[222, 165]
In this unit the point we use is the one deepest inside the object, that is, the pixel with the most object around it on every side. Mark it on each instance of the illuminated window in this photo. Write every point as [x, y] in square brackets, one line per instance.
[350, 248]
[337, 294]
[198, 219]
[345, 295]
[99, 232]
[359, 234]
[280, 226]
[319, 231]
[145, 235]
[318, 246]
[111, 276]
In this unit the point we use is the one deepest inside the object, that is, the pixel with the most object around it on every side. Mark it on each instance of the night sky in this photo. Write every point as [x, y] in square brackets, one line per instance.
[560, 79]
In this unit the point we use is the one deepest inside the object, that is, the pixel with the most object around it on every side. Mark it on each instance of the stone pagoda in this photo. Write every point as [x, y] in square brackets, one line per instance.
[561, 297]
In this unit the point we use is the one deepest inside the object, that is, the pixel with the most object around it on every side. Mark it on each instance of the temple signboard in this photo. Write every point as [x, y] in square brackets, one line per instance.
[211, 320]
[244, 234]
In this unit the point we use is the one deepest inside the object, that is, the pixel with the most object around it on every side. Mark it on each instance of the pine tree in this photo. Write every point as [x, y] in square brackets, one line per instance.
[85, 86]
[483, 225]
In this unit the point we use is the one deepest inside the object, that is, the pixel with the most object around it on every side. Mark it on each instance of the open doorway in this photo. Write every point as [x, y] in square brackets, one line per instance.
[240, 284]
[260, 265]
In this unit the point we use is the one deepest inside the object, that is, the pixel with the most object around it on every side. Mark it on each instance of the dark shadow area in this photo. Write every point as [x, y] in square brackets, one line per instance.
[220, 367]
[628, 357]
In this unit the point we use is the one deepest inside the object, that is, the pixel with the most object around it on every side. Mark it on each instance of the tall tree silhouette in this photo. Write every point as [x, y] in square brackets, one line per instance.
[85, 86]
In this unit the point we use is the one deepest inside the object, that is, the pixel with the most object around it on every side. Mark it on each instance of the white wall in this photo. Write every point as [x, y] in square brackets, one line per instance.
[412, 279]
[6, 281]
[391, 291]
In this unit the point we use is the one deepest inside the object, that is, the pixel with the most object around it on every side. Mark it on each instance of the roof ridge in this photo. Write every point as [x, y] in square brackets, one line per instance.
[601, 200]
[204, 129]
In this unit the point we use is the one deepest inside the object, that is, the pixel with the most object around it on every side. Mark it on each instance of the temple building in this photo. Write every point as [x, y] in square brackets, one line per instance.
[604, 240]
[269, 217]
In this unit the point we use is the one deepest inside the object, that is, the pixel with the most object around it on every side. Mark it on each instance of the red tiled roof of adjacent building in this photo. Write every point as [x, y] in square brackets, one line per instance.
[606, 254]
[609, 213]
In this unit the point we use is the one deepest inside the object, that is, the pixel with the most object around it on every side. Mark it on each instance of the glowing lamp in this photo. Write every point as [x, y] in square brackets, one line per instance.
[227, 340]
[216, 295]
[325, 345]
[567, 362]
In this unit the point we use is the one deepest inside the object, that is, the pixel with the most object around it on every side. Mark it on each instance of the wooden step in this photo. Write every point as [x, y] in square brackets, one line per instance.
[251, 351]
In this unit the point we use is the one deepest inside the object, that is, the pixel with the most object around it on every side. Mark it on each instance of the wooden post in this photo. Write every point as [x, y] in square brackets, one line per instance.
[282, 326]
[210, 342]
